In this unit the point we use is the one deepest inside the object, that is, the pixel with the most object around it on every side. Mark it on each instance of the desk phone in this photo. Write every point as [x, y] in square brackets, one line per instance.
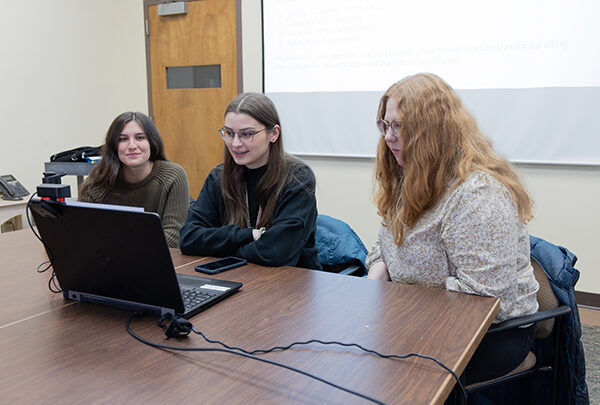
[10, 187]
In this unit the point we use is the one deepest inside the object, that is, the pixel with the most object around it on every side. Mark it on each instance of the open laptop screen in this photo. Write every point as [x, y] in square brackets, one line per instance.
[109, 252]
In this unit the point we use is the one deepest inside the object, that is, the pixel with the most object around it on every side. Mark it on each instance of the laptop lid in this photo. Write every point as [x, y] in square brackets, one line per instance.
[116, 257]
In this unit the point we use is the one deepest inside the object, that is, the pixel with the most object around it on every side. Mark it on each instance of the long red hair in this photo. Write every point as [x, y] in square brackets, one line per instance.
[442, 147]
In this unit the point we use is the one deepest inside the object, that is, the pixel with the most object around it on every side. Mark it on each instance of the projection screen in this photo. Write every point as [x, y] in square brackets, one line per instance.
[528, 71]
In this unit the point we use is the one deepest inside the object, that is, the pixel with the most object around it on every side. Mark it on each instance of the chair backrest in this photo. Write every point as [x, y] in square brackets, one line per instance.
[546, 300]
[338, 244]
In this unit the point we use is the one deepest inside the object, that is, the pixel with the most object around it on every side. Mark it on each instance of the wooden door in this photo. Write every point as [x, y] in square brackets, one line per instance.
[189, 116]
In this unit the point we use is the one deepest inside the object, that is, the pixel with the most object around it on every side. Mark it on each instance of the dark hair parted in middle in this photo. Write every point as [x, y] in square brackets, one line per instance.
[104, 174]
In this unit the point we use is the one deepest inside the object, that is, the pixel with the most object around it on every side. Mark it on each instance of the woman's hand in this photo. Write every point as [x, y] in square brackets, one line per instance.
[255, 234]
[379, 271]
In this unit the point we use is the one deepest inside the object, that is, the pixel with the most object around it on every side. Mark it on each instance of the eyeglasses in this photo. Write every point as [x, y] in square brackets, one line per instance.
[245, 135]
[383, 127]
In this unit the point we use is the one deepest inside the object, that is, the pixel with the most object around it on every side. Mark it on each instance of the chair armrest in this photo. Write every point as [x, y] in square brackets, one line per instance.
[527, 319]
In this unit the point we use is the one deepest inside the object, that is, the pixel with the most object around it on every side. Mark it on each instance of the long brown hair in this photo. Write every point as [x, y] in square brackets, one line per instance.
[442, 146]
[104, 174]
[277, 175]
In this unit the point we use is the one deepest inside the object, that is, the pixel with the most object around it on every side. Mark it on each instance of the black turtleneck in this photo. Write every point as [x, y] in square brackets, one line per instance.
[253, 176]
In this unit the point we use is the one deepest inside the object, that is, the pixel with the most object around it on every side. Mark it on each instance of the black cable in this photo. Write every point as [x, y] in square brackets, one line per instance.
[29, 219]
[52, 281]
[52, 284]
[385, 356]
[250, 353]
[41, 264]
[238, 353]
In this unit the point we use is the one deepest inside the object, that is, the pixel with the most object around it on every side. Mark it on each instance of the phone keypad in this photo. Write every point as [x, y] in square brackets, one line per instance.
[19, 188]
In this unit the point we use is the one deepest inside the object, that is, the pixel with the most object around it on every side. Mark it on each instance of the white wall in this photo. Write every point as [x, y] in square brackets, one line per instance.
[566, 198]
[68, 68]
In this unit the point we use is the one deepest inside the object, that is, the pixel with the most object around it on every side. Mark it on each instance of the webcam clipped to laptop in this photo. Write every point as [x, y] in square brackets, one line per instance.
[118, 256]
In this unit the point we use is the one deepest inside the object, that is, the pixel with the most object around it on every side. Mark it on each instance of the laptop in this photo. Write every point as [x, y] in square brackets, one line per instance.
[113, 255]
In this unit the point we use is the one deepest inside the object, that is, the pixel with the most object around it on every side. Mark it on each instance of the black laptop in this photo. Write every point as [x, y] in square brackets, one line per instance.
[117, 256]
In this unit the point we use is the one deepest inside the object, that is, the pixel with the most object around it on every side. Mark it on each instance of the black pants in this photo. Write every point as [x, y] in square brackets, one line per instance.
[499, 353]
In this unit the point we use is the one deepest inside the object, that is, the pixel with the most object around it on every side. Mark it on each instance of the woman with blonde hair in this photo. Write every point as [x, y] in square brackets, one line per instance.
[454, 213]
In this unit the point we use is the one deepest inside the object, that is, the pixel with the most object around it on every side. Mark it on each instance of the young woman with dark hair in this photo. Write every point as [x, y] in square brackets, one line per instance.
[135, 172]
[259, 204]
[454, 213]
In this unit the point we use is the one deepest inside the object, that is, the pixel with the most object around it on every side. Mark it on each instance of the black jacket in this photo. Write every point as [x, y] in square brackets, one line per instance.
[290, 241]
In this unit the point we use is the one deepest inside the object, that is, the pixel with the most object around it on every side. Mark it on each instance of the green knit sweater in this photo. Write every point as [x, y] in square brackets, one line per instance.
[164, 191]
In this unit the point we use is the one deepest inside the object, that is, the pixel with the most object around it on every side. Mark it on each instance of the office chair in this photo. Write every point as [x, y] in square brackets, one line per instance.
[340, 249]
[550, 318]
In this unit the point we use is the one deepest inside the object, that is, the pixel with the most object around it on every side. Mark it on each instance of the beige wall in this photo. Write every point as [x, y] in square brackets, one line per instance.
[567, 198]
[68, 68]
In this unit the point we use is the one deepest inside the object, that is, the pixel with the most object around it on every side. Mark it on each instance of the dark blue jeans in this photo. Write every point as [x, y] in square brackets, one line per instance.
[499, 353]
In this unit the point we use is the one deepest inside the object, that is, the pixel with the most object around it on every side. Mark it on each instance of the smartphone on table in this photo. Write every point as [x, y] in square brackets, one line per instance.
[220, 265]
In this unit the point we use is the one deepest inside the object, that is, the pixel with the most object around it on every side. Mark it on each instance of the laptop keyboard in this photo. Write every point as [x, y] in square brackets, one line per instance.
[194, 297]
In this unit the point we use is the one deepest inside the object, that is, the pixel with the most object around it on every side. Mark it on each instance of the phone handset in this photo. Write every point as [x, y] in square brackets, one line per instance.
[11, 188]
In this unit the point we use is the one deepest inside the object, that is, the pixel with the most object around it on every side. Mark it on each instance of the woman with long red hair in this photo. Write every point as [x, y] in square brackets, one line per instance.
[453, 211]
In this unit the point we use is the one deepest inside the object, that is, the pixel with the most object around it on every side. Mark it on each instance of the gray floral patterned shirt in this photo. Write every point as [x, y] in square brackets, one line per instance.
[471, 241]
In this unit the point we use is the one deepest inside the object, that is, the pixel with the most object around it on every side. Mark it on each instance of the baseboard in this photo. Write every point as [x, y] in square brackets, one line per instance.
[587, 299]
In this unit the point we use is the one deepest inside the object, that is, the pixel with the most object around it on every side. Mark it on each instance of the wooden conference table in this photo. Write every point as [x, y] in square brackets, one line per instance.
[58, 351]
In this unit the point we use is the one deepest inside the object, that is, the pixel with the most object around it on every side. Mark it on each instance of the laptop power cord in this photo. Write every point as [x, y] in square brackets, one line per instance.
[52, 283]
[180, 327]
